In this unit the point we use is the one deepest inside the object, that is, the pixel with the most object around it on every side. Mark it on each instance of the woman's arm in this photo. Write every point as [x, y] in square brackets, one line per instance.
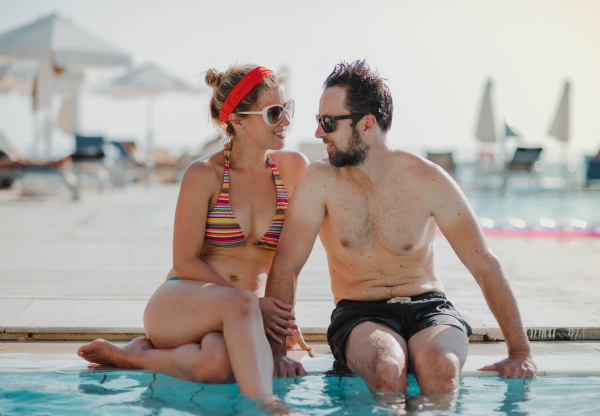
[197, 187]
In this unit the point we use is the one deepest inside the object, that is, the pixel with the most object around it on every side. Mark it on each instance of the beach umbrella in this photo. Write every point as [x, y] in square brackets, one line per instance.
[560, 126]
[486, 129]
[59, 46]
[149, 80]
[67, 45]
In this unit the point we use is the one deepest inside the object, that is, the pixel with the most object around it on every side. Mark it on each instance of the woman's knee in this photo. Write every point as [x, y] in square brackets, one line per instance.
[244, 304]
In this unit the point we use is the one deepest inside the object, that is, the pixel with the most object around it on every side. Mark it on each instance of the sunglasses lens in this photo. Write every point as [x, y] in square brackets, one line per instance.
[290, 107]
[275, 115]
[327, 125]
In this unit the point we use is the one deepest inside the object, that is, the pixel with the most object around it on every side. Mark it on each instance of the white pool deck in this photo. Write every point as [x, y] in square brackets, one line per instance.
[75, 271]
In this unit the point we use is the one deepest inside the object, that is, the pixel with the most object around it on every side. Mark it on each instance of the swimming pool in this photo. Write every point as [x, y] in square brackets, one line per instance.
[146, 393]
[548, 212]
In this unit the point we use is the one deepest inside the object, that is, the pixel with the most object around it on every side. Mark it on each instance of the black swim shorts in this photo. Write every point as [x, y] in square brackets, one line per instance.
[406, 316]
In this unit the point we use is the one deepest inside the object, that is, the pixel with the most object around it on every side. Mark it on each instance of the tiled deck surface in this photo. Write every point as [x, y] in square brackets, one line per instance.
[77, 271]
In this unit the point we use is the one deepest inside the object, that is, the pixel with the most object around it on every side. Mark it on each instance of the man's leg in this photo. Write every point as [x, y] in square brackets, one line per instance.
[378, 354]
[437, 354]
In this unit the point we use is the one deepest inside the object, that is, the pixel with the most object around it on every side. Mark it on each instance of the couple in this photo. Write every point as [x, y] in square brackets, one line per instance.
[225, 311]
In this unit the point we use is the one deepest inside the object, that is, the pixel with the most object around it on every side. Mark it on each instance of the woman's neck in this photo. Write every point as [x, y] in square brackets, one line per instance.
[248, 157]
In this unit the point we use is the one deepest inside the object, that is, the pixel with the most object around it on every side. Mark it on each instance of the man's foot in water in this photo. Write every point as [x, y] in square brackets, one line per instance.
[103, 352]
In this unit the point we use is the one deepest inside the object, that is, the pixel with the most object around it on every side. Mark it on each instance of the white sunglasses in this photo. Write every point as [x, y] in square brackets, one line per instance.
[273, 114]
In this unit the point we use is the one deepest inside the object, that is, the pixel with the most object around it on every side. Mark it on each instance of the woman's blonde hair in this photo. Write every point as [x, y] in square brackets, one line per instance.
[223, 83]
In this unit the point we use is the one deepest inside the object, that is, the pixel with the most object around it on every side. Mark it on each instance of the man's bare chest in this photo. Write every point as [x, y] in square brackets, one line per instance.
[394, 219]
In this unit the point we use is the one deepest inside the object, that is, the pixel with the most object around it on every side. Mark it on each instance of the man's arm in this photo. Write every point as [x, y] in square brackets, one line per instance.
[303, 220]
[457, 221]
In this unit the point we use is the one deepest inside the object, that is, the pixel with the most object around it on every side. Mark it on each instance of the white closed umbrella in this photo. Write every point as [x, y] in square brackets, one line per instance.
[149, 80]
[486, 129]
[59, 46]
[560, 126]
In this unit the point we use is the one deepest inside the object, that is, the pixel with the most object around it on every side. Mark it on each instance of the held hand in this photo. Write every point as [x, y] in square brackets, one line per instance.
[517, 365]
[298, 339]
[277, 319]
[284, 366]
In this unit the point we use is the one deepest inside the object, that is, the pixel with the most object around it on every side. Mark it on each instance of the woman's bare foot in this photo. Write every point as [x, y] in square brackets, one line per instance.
[103, 352]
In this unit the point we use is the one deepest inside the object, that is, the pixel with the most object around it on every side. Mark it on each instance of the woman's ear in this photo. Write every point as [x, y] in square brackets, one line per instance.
[235, 120]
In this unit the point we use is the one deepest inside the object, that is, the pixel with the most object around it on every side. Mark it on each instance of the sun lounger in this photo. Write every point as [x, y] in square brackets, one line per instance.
[523, 162]
[593, 170]
[13, 168]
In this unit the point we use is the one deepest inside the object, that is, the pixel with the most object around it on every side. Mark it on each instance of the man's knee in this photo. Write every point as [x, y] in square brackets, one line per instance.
[438, 372]
[388, 375]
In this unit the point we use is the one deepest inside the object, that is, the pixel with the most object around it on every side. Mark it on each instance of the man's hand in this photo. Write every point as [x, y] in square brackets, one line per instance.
[297, 338]
[517, 365]
[286, 367]
[276, 318]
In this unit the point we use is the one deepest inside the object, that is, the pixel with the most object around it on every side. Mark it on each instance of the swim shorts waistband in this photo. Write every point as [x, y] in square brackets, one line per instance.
[416, 298]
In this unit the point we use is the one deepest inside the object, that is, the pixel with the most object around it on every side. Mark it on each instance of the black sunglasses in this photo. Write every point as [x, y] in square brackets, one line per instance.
[327, 122]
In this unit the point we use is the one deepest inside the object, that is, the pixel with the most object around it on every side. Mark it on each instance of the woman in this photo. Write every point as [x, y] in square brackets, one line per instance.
[204, 323]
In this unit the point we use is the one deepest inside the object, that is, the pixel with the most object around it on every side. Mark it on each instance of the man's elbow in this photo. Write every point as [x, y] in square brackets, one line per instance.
[488, 267]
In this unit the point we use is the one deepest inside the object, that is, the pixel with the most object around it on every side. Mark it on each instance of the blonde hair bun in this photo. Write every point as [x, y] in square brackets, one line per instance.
[214, 78]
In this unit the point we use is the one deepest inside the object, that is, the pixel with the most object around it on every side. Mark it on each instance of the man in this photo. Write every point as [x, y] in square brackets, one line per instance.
[378, 210]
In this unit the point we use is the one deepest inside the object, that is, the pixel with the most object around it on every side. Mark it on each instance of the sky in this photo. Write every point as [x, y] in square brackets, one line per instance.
[436, 57]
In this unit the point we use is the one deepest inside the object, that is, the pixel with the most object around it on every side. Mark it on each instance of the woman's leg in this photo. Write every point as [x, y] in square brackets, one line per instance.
[183, 312]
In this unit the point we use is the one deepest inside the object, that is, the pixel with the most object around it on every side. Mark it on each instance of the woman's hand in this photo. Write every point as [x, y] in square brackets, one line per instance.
[277, 319]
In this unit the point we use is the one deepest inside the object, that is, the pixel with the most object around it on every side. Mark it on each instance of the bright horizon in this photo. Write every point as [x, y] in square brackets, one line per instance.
[436, 55]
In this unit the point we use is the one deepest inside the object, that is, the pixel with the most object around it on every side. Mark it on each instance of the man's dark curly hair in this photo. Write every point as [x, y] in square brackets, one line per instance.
[366, 92]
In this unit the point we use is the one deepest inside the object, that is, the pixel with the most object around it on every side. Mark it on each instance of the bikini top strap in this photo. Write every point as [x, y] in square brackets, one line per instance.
[277, 176]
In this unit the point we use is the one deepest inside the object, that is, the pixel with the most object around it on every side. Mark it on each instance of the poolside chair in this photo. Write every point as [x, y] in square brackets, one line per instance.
[14, 168]
[593, 170]
[91, 157]
[444, 160]
[523, 162]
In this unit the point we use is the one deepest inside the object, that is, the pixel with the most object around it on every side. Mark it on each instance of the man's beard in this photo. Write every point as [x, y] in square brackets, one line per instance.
[354, 156]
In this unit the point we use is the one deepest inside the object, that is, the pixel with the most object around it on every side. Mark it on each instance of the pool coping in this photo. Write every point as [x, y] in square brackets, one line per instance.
[314, 334]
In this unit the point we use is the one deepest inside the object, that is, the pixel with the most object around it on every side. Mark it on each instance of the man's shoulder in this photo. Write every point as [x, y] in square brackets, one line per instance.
[318, 173]
[320, 167]
[412, 163]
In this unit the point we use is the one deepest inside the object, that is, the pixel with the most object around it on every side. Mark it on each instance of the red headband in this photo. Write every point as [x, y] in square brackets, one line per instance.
[250, 80]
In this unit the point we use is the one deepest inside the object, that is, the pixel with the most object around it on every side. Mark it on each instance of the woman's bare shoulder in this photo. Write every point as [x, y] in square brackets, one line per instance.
[289, 160]
[205, 172]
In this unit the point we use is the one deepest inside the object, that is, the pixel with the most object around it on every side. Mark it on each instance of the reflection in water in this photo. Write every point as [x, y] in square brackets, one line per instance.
[137, 392]
[517, 391]
[157, 391]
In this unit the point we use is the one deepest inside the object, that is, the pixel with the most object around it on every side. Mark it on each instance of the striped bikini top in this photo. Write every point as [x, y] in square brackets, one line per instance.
[222, 228]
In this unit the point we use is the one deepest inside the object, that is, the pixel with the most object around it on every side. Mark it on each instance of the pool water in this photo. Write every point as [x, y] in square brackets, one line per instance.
[534, 209]
[145, 393]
